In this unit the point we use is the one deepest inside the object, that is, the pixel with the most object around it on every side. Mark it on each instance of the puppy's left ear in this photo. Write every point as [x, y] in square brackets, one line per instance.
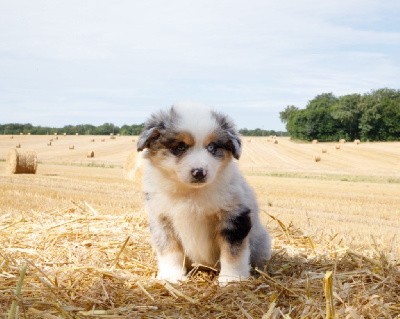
[233, 144]
[236, 144]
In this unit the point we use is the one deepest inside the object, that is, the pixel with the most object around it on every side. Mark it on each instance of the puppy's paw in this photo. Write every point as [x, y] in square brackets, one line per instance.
[224, 280]
[172, 276]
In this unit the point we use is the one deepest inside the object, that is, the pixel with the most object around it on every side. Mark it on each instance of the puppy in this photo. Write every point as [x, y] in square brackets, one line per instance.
[199, 206]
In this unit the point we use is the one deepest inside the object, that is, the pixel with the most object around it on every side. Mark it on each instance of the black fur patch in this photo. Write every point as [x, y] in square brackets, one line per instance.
[237, 228]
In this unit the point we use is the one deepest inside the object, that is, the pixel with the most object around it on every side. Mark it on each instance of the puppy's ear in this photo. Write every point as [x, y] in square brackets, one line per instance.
[148, 135]
[236, 144]
[233, 144]
[156, 126]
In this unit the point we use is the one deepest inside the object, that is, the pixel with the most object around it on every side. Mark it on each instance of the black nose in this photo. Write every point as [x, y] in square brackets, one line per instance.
[199, 174]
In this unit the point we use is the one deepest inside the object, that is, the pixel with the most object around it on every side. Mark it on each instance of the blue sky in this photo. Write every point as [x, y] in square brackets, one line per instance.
[96, 61]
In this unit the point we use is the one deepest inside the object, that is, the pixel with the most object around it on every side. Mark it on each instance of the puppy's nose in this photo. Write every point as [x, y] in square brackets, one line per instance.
[199, 173]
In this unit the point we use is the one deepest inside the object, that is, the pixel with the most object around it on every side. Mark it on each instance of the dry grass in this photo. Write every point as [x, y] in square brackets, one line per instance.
[80, 267]
[95, 261]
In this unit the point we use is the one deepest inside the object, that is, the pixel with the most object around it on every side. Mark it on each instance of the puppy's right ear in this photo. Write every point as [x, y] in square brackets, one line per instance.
[148, 135]
[155, 127]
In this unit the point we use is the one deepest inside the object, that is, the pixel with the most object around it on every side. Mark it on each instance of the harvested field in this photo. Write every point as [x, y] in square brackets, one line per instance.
[78, 229]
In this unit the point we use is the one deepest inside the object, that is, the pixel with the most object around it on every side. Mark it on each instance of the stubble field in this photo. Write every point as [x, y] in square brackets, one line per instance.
[79, 228]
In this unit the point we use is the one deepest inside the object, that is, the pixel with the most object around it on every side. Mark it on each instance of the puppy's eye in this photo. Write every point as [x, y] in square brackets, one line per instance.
[179, 148]
[212, 148]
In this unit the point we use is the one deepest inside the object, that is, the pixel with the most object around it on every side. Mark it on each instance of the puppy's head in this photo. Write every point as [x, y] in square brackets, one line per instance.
[191, 144]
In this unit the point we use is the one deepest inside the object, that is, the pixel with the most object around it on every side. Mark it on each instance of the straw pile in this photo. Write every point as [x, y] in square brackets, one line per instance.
[18, 162]
[77, 262]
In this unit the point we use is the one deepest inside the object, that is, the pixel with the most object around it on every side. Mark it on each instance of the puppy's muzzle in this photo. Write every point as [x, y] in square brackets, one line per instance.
[199, 175]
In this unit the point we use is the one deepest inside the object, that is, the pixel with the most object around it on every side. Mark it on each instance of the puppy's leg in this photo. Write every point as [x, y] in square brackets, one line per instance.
[235, 247]
[170, 256]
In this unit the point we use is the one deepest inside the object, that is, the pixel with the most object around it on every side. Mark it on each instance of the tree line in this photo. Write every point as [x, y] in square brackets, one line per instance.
[82, 129]
[373, 116]
[104, 129]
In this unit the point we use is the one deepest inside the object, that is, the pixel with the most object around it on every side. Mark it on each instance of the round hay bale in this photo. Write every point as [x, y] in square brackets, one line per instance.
[21, 162]
[71, 147]
[324, 150]
[103, 139]
[64, 134]
[357, 142]
[342, 141]
[11, 136]
[90, 154]
[275, 141]
[317, 158]
[92, 140]
[49, 143]
[18, 146]
[76, 134]
[315, 141]
[337, 146]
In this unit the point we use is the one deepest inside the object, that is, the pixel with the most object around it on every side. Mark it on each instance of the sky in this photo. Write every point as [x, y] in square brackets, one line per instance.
[96, 61]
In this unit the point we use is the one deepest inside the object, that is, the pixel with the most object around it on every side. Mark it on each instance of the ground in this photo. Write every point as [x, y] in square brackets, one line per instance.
[79, 227]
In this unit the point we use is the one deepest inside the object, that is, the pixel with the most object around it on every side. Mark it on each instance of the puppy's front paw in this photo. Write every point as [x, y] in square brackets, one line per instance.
[224, 280]
[173, 279]
[172, 275]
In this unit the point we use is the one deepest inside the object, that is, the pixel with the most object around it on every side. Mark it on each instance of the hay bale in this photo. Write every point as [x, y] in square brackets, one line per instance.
[18, 145]
[21, 162]
[90, 154]
[314, 141]
[71, 147]
[112, 137]
[317, 158]
[357, 142]
[49, 143]
[324, 150]
[275, 141]
[337, 146]
[103, 139]
[76, 134]
[64, 134]
[92, 140]
[11, 136]
[342, 141]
